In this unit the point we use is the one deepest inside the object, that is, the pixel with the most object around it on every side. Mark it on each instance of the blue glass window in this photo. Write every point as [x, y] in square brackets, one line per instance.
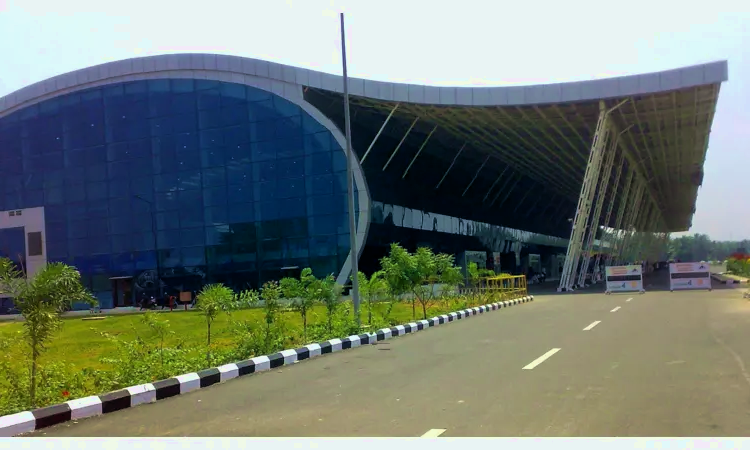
[195, 157]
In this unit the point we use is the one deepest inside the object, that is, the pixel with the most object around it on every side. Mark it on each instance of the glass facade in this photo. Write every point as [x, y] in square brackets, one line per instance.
[203, 180]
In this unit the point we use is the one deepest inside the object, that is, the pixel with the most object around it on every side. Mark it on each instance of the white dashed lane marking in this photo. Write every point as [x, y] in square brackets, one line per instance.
[616, 309]
[435, 432]
[593, 324]
[541, 359]
[631, 298]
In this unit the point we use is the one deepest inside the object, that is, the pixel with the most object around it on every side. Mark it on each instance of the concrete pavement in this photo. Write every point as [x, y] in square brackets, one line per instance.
[663, 364]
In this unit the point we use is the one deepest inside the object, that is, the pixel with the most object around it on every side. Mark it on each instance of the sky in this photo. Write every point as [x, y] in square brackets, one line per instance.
[466, 43]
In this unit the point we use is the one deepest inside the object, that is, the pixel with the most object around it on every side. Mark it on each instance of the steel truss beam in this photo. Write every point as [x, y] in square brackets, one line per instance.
[552, 200]
[586, 197]
[451, 166]
[400, 143]
[506, 183]
[421, 147]
[476, 175]
[603, 185]
[495, 183]
[520, 202]
[507, 194]
[533, 205]
[375, 139]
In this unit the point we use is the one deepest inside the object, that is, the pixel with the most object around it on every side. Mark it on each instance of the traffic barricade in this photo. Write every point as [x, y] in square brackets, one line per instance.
[505, 287]
[690, 275]
[624, 279]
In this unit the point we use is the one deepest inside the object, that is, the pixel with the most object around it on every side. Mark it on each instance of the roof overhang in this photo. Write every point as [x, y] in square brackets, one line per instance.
[546, 131]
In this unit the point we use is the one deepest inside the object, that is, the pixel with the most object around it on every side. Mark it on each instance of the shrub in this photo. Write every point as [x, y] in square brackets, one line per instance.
[41, 299]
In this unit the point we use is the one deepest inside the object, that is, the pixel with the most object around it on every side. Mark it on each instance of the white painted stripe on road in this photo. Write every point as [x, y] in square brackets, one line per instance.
[631, 298]
[616, 309]
[593, 324]
[435, 432]
[541, 359]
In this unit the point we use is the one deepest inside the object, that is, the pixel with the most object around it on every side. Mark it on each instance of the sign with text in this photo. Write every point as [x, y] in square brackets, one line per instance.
[624, 278]
[690, 275]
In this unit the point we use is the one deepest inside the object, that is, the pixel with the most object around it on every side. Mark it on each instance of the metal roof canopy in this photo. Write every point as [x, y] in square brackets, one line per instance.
[542, 131]
[666, 138]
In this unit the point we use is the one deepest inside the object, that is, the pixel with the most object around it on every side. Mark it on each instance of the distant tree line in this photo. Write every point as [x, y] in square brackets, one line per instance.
[700, 247]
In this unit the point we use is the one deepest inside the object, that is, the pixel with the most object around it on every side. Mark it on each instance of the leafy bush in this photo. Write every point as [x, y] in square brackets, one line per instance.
[42, 299]
[57, 381]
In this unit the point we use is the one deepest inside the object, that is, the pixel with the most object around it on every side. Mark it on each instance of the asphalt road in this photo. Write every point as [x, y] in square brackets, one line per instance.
[663, 364]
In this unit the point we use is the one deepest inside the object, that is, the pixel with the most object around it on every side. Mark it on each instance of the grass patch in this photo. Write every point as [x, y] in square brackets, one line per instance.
[80, 361]
[80, 343]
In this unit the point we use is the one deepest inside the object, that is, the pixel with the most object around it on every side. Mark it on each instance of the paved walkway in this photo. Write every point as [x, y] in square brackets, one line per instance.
[587, 364]
[86, 313]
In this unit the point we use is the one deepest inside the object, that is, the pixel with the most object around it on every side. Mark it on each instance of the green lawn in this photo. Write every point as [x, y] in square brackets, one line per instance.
[81, 344]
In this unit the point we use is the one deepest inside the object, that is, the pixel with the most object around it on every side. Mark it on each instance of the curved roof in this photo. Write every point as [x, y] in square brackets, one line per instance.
[542, 131]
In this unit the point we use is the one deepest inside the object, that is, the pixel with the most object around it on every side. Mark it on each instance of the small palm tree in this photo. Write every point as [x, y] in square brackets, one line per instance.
[214, 299]
[41, 300]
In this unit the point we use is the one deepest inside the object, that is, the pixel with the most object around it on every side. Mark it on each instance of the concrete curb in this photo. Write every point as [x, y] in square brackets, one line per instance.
[725, 280]
[95, 405]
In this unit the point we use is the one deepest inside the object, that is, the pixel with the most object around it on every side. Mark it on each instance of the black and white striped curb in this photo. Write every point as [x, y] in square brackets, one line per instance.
[95, 405]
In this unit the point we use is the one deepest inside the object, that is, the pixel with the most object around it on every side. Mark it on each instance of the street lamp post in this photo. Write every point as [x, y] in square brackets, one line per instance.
[350, 182]
[156, 241]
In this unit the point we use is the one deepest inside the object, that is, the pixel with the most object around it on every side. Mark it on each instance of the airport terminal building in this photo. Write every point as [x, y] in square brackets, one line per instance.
[180, 170]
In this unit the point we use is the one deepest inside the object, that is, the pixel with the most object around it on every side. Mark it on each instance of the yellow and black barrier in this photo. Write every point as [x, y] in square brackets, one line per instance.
[504, 287]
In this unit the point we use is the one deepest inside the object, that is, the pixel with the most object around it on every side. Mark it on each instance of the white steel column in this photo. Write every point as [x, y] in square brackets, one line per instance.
[594, 228]
[608, 215]
[645, 241]
[636, 243]
[585, 199]
[627, 221]
[634, 213]
[624, 201]
[650, 237]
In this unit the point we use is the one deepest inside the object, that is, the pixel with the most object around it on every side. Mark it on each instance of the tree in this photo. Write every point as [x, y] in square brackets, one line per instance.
[371, 289]
[327, 291]
[447, 272]
[41, 300]
[401, 272]
[210, 301]
[302, 293]
[472, 273]
[214, 299]
[161, 331]
[270, 293]
[408, 273]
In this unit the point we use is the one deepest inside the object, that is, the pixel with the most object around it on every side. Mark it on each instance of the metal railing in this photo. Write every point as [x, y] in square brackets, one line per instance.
[504, 287]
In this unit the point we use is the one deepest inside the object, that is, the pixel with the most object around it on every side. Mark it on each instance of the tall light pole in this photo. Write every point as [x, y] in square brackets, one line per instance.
[156, 240]
[350, 182]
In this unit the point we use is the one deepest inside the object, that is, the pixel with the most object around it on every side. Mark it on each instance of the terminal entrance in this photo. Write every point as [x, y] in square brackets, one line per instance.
[122, 291]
